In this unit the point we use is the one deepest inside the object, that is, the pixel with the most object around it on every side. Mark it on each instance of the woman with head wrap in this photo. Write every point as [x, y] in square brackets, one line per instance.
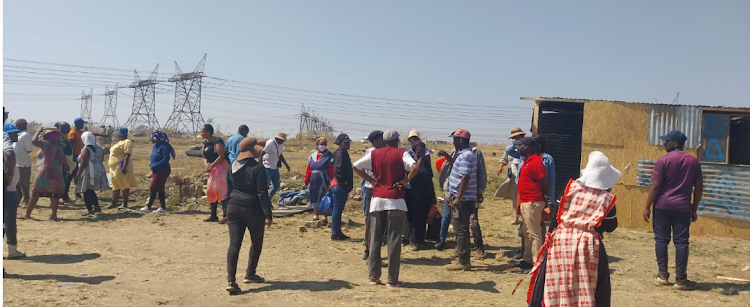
[51, 165]
[160, 169]
[319, 174]
[121, 169]
[91, 175]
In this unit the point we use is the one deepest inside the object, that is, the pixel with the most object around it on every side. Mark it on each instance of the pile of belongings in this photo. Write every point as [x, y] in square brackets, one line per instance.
[293, 198]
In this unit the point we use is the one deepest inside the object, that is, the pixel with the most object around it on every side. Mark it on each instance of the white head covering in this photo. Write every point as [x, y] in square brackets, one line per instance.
[599, 173]
[88, 138]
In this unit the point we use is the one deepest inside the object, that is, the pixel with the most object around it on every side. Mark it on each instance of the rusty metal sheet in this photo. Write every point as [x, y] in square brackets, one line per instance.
[726, 191]
[665, 118]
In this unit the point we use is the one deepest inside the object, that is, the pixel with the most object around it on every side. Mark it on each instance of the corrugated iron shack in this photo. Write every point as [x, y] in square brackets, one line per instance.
[628, 133]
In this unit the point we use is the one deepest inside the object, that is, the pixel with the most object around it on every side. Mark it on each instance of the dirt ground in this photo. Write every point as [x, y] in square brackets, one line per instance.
[175, 259]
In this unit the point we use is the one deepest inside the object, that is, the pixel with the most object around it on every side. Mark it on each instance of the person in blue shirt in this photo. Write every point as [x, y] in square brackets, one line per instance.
[233, 143]
[160, 169]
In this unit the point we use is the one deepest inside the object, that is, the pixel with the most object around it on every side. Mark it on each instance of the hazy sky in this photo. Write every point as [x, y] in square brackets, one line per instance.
[441, 64]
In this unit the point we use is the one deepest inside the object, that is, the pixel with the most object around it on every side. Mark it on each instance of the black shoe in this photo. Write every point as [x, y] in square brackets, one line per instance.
[78, 196]
[211, 219]
[233, 288]
[661, 279]
[518, 255]
[255, 279]
[366, 255]
[685, 284]
[340, 237]
[523, 265]
[440, 246]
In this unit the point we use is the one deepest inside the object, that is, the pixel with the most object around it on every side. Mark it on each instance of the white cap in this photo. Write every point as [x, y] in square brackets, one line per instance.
[390, 135]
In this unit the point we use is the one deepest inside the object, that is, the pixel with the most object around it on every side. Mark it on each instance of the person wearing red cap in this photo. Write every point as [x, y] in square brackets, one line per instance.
[23, 149]
[462, 194]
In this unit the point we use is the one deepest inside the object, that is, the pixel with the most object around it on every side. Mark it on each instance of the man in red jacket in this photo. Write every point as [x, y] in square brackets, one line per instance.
[387, 207]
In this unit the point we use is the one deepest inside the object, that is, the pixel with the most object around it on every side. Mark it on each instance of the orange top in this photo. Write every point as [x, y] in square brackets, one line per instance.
[75, 137]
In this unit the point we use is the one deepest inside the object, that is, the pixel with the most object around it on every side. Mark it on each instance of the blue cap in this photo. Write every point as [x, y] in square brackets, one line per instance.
[674, 135]
[79, 121]
[10, 128]
[122, 131]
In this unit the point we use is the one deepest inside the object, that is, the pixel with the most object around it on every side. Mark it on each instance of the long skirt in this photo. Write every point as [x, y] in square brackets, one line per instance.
[216, 188]
[603, 294]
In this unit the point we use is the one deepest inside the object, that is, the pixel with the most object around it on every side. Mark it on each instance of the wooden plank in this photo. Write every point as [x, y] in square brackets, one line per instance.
[732, 278]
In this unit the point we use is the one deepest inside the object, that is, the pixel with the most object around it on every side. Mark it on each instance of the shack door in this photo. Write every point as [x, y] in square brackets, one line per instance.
[562, 123]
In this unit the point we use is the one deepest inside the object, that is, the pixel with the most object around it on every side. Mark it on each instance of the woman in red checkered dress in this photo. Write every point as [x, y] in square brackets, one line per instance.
[572, 269]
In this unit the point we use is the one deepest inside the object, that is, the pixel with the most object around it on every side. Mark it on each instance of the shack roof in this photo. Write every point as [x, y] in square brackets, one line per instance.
[584, 100]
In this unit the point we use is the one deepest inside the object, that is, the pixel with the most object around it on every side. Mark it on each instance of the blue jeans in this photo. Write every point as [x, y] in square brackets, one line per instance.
[445, 222]
[339, 201]
[275, 178]
[675, 225]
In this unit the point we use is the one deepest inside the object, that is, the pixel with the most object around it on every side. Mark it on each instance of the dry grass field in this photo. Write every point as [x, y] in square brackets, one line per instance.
[175, 259]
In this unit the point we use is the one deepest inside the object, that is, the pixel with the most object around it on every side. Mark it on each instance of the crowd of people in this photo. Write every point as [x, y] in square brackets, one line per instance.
[567, 263]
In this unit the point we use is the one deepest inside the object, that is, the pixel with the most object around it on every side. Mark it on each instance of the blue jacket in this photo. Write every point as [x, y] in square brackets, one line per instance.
[160, 156]
[549, 167]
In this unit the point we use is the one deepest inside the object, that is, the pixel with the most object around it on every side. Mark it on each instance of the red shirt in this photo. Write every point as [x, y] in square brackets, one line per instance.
[529, 185]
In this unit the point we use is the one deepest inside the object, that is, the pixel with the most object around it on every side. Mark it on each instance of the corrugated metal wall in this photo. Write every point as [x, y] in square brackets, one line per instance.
[665, 118]
[726, 191]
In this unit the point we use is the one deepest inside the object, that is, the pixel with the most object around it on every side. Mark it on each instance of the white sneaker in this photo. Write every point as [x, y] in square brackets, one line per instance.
[160, 210]
[14, 253]
[145, 210]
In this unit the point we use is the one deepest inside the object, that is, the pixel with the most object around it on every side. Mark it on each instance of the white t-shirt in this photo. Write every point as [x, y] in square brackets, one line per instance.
[23, 148]
[273, 150]
[367, 171]
[385, 204]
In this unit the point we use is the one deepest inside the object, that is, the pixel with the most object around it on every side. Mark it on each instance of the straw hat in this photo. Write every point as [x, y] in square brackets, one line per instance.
[414, 133]
[599, 173]
[515, 132]
[250, 147]
[281, 135]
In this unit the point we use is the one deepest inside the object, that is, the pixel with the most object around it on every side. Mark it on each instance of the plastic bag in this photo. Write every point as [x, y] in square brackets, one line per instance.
[326, 204]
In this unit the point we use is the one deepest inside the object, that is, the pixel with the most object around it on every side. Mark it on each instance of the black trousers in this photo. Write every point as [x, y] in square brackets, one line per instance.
[91, 200]
[68, 177]
[241, 218]
[419, 207]
[10, 205]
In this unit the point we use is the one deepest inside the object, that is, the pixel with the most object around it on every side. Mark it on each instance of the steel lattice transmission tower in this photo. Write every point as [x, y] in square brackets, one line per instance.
[110, 107]
[186, 116]
[86, 102]
[144, 102]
